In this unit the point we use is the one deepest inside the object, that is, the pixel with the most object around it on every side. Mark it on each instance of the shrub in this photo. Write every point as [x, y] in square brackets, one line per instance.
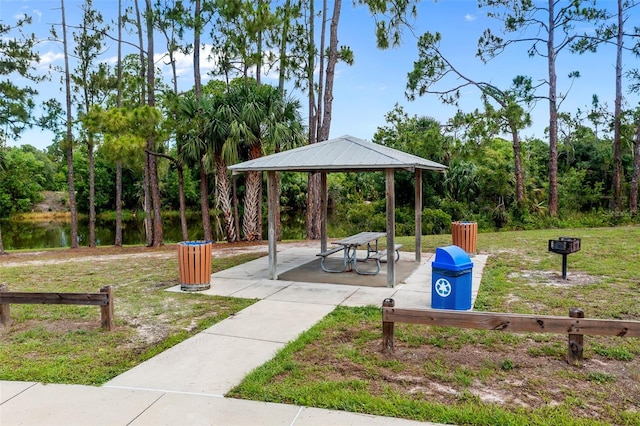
[361, 216]
[456, 209]
[435, 221]
[405, 221]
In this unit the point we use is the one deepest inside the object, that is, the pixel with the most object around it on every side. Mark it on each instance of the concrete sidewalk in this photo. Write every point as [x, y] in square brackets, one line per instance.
[185, 385]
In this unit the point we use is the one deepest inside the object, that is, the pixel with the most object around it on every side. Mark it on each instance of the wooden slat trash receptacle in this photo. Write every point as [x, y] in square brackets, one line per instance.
[465, 235]
[194, 263]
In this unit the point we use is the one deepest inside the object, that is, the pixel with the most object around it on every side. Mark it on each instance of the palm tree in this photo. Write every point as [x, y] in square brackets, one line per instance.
[191, 135]
[218, 121]
[263, 122]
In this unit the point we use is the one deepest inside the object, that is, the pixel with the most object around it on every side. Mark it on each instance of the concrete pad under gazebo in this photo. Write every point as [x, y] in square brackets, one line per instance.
[343, 154]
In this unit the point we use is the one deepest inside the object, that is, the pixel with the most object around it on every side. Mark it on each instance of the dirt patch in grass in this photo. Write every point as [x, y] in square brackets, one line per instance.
[518, 373]
[554, 279]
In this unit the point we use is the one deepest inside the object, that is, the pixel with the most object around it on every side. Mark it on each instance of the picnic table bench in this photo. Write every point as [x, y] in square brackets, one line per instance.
[327, 253]
[349, 246]
[382, 254]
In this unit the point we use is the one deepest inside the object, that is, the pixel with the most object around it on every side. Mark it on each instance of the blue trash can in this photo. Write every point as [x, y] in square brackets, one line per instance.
[451, 279]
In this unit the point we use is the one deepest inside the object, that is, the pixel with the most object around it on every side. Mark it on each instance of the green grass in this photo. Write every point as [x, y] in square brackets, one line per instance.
[65, 344]
[435, 374]
[338, 364]
[289, 378]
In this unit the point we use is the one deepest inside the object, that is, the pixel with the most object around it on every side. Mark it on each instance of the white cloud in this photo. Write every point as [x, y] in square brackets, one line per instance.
[35, 13]
[112, 60]
[50, 57]
[470, 18]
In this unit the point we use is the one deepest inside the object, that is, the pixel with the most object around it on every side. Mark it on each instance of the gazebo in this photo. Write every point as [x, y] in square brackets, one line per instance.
[343, 154]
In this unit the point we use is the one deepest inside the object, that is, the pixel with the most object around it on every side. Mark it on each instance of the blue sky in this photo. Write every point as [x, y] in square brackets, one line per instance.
[370, 88]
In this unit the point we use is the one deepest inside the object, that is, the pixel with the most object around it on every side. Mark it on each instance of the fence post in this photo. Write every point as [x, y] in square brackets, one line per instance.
[5, 314]
[106, 311]
[388, 329]
[576, 341]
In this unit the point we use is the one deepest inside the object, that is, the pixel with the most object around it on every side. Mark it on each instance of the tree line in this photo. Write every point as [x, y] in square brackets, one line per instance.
[128, 121]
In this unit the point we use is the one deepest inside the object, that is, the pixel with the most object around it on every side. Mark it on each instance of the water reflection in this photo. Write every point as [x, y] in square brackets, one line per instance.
[54, 234]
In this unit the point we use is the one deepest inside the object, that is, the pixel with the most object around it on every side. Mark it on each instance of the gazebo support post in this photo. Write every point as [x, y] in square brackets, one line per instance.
[418, 213]
[324, 200]
[273, 206]
[391, 227]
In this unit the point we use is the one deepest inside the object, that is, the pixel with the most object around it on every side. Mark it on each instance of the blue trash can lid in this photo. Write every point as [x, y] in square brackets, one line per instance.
[452, 258]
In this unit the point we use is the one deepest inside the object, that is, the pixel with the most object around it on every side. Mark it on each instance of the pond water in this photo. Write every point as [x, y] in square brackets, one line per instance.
[53, 234]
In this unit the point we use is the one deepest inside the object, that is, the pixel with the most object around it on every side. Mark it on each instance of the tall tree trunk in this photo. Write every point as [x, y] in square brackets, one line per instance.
[321, 81]
[281, 80]
[143, 64]
[553, 116]
[259, 205]
[168, 29]
[178, 164]
[148, 220]
[259, 50]
[252, 199]
[224, 196]
[311, 65]
[183, 203]
[331, 72]
[236, 214]
[151, 142]
[69, 137]
[616, 199]
[282, 72]
[314, 196]
[118, 237]
[197, 88]
[517, 165]
[197, 79]
[259, 43]
[204, 201]
[92, 194]
[322, 116]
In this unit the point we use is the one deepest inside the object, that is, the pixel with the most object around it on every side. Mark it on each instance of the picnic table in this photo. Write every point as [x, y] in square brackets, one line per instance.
[349, 247]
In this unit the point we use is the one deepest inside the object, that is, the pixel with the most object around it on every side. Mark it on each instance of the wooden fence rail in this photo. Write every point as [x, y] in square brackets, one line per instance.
[575, 326]
[104, 299]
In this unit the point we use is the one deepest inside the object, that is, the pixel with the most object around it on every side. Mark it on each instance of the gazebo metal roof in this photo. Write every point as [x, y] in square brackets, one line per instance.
[346, 153]
[343, 154]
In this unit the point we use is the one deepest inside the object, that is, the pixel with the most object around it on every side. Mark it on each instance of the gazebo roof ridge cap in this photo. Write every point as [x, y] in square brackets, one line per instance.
[344, 153]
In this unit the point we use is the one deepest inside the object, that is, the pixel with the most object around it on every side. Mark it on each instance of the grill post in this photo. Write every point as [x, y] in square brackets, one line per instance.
[564, 246]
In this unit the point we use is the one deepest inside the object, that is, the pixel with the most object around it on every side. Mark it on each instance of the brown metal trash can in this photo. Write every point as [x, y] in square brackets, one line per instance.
[194, 263]
[465, 235]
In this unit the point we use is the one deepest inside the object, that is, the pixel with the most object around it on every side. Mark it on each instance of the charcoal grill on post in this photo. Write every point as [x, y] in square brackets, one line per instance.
[564, 246]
